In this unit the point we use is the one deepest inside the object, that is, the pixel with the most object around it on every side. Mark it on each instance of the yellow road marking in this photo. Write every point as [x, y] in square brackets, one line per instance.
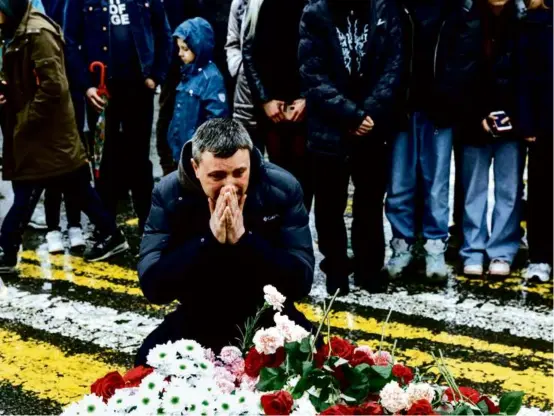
[512, 284]
[395, 330]
[69, 262]
[538, 387]
[32, 271]
[132, 222]
[45, 370]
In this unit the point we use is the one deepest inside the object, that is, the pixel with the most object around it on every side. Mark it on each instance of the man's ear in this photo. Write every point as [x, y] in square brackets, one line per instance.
[194, 166]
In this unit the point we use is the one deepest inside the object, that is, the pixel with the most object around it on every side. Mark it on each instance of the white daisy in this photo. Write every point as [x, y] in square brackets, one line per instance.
[147, 402]
[161, 356]
[121, 401]
[153, 384]
[189, 348]
[91, 405]
[174, 399]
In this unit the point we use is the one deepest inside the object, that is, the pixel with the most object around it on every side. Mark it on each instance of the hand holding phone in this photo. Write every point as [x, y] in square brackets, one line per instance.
[498, 123]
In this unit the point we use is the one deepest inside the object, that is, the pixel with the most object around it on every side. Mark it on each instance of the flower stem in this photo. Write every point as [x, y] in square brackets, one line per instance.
[325, 315]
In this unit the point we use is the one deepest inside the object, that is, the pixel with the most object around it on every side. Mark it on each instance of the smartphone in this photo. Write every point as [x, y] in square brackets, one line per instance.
[498, 125]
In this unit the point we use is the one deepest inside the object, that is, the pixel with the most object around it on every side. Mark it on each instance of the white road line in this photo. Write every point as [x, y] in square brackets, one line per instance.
[451, 308]
[103, 326]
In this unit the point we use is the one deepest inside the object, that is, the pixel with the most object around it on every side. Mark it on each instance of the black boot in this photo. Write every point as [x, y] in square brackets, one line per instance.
[8, 261]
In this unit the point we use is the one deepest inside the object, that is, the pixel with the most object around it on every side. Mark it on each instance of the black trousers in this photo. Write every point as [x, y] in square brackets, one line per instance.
[539, 200]
[52, 197]
[126, 155]
[285, 143]
[75, 186]
[366, 163]
[167, 106]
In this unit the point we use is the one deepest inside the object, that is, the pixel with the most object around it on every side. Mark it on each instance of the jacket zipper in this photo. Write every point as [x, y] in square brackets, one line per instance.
[437, 50]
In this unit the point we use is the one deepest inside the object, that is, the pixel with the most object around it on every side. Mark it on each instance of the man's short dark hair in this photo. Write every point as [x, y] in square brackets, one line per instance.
[220, 136]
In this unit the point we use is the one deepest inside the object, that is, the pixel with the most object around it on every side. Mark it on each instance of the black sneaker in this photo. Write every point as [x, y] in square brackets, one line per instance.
[105, 248]
[7, 262]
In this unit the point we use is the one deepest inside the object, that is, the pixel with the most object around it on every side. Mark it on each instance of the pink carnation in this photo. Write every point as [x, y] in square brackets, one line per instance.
[236, 368]
[382, 358]
[230, 354]
[224, 379]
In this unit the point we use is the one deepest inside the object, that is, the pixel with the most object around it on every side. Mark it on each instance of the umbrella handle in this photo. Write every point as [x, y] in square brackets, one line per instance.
[102, 89]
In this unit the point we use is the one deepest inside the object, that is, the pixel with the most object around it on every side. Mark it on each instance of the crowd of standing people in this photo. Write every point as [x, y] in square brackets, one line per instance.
[380, 92]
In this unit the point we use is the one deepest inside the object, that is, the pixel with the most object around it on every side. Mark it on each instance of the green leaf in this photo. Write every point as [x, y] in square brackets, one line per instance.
[384, 372]
[306, 345]
[482, 405]
[510, 403]
[271, 379]
[307, 366]
[463, 409]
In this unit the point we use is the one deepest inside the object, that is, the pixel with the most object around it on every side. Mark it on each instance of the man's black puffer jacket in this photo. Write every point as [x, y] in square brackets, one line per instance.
[219, 286]
[331, 114]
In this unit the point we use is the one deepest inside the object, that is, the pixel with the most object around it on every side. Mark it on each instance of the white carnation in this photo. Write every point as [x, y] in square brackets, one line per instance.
[289, 330]
[394, 398]
[273, 297]
[420, 391]
[267, 341]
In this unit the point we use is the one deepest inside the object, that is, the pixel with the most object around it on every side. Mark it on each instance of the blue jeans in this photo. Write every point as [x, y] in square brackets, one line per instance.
[503, 241]
[76, 188]
[423, 150]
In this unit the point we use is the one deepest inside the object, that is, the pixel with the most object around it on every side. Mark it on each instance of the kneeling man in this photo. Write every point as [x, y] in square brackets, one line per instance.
[220, 228]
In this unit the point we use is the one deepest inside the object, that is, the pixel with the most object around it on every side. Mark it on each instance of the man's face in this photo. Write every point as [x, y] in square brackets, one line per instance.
[186, 55]
[214, 173]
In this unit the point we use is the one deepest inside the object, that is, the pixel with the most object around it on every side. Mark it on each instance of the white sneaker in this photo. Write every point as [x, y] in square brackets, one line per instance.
[76, 238]
[473, 270]
[499, 268]
[38, 220]
[54, 239]
[401, 257]
[435, 264]
[539, 271]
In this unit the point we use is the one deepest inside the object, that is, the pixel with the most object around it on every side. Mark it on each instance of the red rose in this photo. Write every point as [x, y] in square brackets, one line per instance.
[493, 408]
[253, 363]
[370, 408]
[134, 376]
[421, 407]
[339, 409]
[467, 392]
[279, 403]
[339, 348]
[403, 374]
[361, 357]
[275, 360]
[106, 386]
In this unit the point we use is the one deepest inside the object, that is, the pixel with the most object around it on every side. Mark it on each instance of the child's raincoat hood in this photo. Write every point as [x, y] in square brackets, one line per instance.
[199, 36]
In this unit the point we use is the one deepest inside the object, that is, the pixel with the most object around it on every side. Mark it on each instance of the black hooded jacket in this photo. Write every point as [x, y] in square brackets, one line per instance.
[219, 286]
[332, 111]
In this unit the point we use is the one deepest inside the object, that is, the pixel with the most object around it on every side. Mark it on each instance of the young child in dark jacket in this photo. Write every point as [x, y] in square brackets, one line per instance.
[201, 93]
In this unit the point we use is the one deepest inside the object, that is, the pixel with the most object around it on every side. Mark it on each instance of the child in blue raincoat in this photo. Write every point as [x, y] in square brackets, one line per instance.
[201, 93]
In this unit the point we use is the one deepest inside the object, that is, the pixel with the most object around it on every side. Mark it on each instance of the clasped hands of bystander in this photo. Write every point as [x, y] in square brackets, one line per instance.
[227, 222]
